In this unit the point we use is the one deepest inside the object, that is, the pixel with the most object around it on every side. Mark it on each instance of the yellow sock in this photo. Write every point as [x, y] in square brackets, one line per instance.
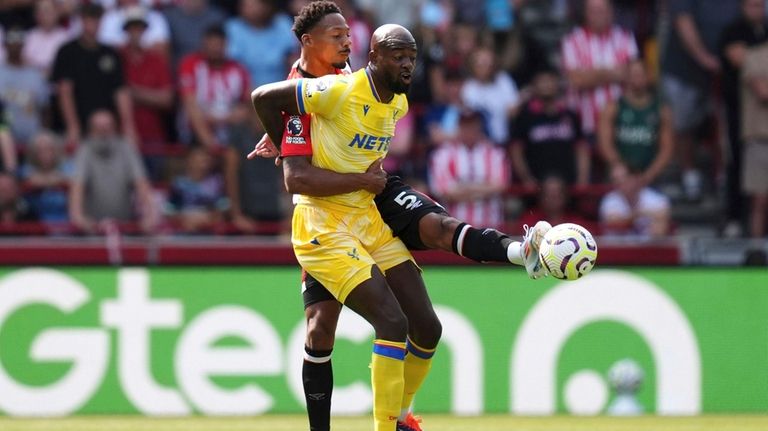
[387, 379]
[418, 361]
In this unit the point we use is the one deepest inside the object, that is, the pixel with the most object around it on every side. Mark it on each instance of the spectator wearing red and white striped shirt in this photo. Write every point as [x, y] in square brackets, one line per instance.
[470, 174]
[214, 91]
[595, 57]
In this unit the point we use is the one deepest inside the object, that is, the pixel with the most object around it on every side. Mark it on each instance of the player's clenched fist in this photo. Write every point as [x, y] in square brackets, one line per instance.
[375, 177]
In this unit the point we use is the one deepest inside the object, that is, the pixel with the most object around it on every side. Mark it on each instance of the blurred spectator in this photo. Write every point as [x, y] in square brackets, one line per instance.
[108, 179]
[89, 77]
[750, 29]
[636, 131]
[493, 92]
[546, 137]
[196, 198]
[470, 174]
[151, 88]
[113, 4]
[633, 209]
[45, 38]
[156, 36]
[690, 61]
[215, 91]
[46, 177]
[442, 118]
[13, 207]
[754, 93]
[262, 40]
[523, 55]
[254, 187]
[595, 57]
[69, 16]
[553, 205]
[403, 12]
[188, 20]
[23, 89]
[7, 147]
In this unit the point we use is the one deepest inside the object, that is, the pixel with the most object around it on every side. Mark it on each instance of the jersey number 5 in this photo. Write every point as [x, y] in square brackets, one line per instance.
[407, 201]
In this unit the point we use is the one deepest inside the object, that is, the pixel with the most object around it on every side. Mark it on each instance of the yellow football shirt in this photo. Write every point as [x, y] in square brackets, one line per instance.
[350, 127]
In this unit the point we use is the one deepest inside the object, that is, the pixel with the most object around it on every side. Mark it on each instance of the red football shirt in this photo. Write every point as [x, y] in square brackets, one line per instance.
[150, 70]
[297, 140]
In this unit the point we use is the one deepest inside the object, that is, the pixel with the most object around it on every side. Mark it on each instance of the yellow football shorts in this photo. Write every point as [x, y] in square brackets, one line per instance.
[339, 245]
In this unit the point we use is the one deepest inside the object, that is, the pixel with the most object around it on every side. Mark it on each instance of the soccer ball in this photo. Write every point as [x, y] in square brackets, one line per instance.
[568, 251]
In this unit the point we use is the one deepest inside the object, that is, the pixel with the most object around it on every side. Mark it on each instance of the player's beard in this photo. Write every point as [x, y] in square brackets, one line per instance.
[341, 65]
[397, 86]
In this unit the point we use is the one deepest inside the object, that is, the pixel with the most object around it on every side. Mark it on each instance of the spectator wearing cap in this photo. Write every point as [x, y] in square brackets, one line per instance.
[45, 38]
[188, 20]
[470, 173]
[23, 89]
[88, 77]
[149, 81]
[155, 37]
[212, 113]
[547, 138]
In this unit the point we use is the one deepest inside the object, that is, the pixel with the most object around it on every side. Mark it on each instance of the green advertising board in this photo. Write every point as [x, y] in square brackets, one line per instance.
[221, 341]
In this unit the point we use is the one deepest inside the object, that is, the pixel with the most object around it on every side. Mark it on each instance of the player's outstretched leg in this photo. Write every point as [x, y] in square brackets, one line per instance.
[441, 232]
[424, 331]
[317, 371]
[375, 302]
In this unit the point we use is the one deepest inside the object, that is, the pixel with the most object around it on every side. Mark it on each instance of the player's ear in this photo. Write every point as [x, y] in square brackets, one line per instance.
[306, 39]
[372, 56]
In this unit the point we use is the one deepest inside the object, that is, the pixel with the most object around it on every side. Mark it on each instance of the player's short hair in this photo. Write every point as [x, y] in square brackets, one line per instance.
[311, 14]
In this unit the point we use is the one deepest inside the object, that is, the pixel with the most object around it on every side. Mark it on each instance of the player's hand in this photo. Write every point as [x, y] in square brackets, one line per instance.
[375, 177]
[265, 148]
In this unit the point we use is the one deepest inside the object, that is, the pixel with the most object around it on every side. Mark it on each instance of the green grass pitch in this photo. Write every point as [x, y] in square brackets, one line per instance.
[431, 423]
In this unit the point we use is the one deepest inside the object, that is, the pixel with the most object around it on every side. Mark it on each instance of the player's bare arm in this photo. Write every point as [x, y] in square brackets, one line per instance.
[270, 102]
[301, 177]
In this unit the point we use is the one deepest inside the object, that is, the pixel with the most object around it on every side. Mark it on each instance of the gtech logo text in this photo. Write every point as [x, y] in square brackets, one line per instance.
[108, 352]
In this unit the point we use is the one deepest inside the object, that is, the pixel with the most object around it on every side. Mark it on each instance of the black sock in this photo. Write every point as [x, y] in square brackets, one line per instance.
[488, 245]
[317, 375]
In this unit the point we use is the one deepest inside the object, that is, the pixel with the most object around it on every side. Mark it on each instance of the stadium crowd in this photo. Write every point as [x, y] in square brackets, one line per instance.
[632, 117]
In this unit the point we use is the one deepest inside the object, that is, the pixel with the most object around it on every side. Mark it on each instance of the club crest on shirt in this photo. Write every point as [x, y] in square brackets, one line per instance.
[318, 85]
